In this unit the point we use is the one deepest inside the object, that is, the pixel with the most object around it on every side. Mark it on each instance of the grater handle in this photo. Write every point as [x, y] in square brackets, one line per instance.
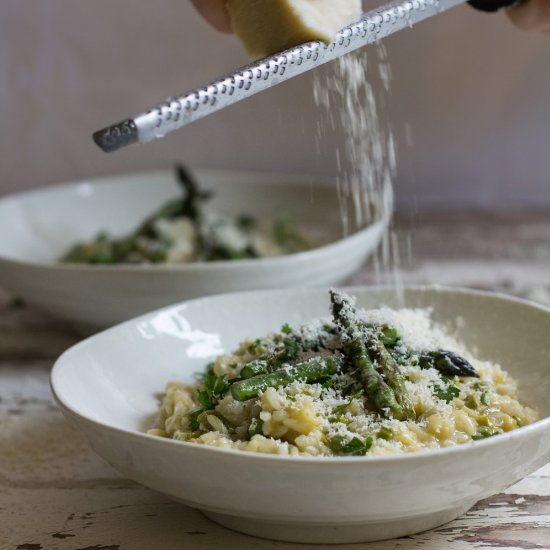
[179, 111]
[491, 5]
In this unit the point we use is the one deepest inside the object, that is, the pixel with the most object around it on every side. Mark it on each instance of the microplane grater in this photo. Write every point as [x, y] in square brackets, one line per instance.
[178, 111]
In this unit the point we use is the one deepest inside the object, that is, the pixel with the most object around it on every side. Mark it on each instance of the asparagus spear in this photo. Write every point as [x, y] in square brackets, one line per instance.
[388, 335]
[107, 250]
[381, 394]
[448, 363]
[377, 390]
[310, 371]
[293, 344]
[254, 368]
[389, 369]
[189, 205]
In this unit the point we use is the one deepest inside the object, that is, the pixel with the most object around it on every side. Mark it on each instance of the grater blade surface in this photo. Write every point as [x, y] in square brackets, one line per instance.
[178, 111]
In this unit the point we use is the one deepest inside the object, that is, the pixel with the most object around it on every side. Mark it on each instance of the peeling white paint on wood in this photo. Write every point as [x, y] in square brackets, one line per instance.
[55, 493]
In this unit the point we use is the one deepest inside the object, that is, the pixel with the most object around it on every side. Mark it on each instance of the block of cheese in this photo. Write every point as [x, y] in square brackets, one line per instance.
[269, 26]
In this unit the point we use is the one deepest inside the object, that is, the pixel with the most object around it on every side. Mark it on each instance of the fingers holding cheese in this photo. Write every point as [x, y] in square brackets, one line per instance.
[267, 27]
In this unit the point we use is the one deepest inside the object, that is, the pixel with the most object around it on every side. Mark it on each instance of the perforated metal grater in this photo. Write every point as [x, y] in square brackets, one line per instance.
[178, 111]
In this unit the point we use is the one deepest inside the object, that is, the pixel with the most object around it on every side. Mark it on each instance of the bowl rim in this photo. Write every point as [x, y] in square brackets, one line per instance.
[237, 454]
[279, 178]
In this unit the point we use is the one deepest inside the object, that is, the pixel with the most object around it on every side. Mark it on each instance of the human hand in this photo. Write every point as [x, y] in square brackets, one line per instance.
[215, 13]
[531, 15]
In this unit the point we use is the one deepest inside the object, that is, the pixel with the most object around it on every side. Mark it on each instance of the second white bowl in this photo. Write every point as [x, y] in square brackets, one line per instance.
[36, 228]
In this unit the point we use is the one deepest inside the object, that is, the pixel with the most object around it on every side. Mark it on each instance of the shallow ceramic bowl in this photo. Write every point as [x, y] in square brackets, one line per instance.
[37, 228]
[108, 385]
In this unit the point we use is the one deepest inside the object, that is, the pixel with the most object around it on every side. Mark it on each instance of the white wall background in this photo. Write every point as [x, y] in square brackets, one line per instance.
[471, 92]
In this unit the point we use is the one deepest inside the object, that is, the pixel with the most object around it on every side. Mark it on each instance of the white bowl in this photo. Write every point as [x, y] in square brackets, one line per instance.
[38, 227]
[109, 383]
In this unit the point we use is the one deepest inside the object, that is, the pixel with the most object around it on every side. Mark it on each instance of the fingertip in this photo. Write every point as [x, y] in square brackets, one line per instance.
[530, 15]
[215, 12]
[223, 26]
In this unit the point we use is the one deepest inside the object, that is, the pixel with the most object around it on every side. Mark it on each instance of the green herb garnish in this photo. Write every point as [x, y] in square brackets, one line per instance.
[485, 400]
[336, 419]
[446, 393]
[354, 447]
[285, 329]
[255, 427]
[193, 417]
[214, 388]
[485, 432]
[388, 335]
[518, 421]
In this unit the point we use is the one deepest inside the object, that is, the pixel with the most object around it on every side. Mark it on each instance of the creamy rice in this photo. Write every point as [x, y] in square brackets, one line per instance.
[337, 414]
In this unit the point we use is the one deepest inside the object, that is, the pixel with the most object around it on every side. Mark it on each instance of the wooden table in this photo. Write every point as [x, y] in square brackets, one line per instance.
[55, 493]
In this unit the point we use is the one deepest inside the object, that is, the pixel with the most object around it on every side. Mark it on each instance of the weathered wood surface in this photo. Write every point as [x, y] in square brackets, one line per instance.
[55, 493]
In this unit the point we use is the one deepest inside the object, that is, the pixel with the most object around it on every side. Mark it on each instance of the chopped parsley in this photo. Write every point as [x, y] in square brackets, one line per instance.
[285, 329]
[518, 421]
[339, 409]
[353, 447]
[446, 392]
[485, 432]
[482, 385]
[193, 418]
[257, 347]
[339, 419]
[214, 388]
[485, 400]
[255, 427]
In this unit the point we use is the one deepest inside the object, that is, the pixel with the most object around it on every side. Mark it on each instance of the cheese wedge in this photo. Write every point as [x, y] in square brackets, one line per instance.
[269, 26]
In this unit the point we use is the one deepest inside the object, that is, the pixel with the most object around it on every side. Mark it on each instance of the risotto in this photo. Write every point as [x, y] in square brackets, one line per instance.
[361, 382]
[184, 230]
